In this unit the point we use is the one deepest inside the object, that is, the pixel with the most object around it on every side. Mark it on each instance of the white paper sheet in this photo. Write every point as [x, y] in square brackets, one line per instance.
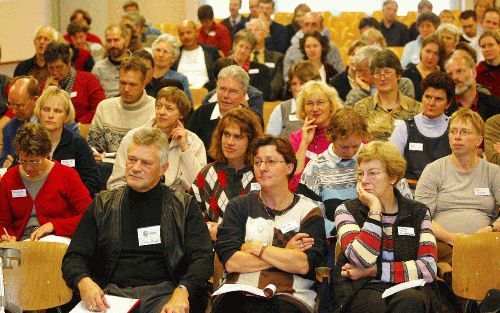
[400, 287]
[116, 305]
[267, 292]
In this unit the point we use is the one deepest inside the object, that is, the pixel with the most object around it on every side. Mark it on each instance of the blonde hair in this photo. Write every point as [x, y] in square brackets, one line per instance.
[388, 154]
[467, 115]
[62, 97]
[314, 87]
[375, 34]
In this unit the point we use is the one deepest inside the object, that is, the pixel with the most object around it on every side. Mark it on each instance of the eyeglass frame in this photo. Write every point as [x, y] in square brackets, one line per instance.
[387, 73]
[269, 163]
[370, 175]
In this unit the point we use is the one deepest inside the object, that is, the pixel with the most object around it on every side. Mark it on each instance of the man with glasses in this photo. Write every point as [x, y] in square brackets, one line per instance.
[23, 93]
[387, 99]
[142, 240]
[107, 70]
[424, 139]
[232, 86]
[462, 69]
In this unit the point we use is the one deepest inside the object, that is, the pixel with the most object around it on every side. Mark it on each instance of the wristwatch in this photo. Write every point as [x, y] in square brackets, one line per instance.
[262, 248]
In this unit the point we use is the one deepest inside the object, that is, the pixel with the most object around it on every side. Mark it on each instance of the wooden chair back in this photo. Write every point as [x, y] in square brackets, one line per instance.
[84, 130]
[198, 96]
[476, 265]
[37, 283]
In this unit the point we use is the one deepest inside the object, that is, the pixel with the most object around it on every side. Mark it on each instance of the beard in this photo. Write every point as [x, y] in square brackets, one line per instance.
[461, 88]
[115, 52]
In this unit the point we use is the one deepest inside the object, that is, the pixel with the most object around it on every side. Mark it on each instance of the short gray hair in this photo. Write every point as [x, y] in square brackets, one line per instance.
[148, 136]
[466, 57]
[49, 29]
[366, 53]
[424, 3]
[237, 73]
[447, 27]
[171, 40]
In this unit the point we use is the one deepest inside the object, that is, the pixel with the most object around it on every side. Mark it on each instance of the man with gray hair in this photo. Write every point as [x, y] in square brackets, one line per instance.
[232, 86]
[364, 83]
[143, 240]
[462, 69]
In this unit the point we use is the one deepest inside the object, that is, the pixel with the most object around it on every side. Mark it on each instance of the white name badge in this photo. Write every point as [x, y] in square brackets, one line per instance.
[482, 191]
[211, 34]
[68, 163]
[19, 193]
[72, 94]
[253, 71]
[254, 186]
[190, 140]
[149, 235]
[289, 227]
[270, 65]
[293, 118]
[406, 231]
[416, 146]
[311, 155]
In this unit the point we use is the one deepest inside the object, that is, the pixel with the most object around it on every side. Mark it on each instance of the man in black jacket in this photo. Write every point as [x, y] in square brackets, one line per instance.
[142, 240]
[195, 61]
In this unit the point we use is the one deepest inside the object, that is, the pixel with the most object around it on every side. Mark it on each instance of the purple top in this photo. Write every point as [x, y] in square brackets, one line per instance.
[318, 145]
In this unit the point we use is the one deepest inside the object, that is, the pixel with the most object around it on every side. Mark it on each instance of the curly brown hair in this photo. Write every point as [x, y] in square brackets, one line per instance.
[33, 140]
[250, 126]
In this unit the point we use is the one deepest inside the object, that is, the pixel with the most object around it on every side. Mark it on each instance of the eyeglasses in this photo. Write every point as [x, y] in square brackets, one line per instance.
[370, 175]
[30, 163]
[462, 132]
[232, 92]
[385, 74]
[319, 103]
[270, 163]
[16, 107]
[164, 51]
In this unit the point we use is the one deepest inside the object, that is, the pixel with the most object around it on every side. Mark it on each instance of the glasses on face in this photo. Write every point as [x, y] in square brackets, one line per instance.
[370, 175]
[232, 92]
[30, 163]
[270, 163]
[385, 74]
[319, 103]
[461, 131]
[16, 107]
[164, 51]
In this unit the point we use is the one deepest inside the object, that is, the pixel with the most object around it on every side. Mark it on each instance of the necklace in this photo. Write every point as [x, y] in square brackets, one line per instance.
[281, 213]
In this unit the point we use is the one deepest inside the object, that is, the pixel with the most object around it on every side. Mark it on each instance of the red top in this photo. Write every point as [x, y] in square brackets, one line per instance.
[86, 94]
[489, 77]
[218, 36]
[62, 200]
[90, 38]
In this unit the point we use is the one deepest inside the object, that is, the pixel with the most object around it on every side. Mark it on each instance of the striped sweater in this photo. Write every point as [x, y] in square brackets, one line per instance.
[373, 244]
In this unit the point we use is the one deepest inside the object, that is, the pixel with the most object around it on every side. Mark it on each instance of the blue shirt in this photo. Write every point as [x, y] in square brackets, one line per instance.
[411, 52]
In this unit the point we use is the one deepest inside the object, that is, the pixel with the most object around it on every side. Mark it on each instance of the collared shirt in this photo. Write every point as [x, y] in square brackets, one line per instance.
[474, 106]
[408, 107]
[411, 52]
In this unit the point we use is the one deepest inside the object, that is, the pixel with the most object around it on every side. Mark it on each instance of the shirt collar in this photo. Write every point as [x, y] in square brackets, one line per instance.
[216, 112]
[402, 102]
[474, 106]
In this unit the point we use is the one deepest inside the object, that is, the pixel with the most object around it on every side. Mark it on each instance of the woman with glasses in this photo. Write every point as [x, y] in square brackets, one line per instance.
[54, 110]
[230, 175]
[315, 47]
[165, 52]
[316, 103]
[386, 239]
[461, 190]
[39, 197]
[388, 99]
[186, 152]
[271, 236]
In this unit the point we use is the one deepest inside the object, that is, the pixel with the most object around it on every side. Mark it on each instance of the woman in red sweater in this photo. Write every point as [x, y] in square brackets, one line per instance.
[39, 197]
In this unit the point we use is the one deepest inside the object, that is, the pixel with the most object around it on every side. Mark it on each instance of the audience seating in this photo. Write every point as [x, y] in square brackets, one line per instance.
[268, 109]
[198, 96]
[37, 283]
[476, 267]
[84, 129]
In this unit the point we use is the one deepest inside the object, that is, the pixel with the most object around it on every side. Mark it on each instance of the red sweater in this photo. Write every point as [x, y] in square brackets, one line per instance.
[489, 76]
[218, 37]
[86, 94]
[62, 200]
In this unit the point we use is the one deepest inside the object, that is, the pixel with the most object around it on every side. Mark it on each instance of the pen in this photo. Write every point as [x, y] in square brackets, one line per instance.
[6, 233]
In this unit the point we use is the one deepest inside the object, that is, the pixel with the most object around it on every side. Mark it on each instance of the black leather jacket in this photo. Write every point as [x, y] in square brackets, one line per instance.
[95, 247]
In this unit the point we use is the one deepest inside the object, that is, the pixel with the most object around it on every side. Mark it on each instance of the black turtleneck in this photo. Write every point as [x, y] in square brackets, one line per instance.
[140, 265]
